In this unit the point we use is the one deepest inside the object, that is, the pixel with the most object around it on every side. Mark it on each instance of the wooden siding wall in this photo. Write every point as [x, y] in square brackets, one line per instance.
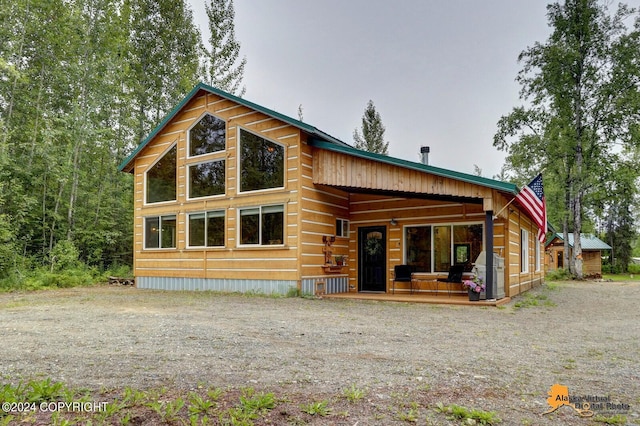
[343, 170]
[320, 207]
[230, 262]
[522, 281]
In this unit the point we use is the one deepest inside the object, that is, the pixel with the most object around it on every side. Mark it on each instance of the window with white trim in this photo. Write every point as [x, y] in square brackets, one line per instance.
[207, 179]
[262, 225]
[207, 136]
[160, 232]
[161, 178]
[342, 228]
[261, 163]
[537, 253]
[524, 250]
[206, 229]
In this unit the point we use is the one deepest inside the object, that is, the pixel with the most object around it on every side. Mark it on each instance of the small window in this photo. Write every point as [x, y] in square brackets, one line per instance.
[537, 252]
[262, 225]
[342, 228]
[206, 179]
[206, 229]
[161, 178]
[261, 163]
[160, 232]
[207, 136]
[524, 250]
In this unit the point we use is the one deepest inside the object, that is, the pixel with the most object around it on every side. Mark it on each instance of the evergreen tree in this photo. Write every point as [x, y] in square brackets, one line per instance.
[372, 137]
[222, 69]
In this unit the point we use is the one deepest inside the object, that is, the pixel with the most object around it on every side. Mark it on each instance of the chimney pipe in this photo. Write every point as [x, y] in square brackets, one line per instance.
[424, 155]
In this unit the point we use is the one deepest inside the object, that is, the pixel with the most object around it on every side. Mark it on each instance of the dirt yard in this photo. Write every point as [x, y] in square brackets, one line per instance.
[406, 358]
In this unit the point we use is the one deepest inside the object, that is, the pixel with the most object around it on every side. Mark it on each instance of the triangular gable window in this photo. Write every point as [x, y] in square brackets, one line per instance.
[161, 178]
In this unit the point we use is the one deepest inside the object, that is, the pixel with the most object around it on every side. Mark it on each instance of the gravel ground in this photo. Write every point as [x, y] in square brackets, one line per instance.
[406, 356]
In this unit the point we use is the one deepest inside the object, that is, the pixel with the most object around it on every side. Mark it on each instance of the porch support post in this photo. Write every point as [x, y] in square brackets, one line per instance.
[488, 224]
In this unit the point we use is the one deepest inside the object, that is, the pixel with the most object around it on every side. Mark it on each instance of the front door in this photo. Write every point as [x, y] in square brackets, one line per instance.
[372, 258]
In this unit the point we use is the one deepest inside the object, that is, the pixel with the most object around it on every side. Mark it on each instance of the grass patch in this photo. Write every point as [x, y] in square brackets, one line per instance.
[618, 419]
[531, 299]
[468, 414]
[353, 393]
[620, 278]
[316, 408]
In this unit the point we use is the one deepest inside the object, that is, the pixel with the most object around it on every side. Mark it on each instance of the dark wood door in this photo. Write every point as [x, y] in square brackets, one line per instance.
[372, 258]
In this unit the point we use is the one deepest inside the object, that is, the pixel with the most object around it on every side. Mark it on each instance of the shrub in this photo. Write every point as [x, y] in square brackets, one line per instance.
[634, 268]
[64, 255]
[7, 246]
[558, 275]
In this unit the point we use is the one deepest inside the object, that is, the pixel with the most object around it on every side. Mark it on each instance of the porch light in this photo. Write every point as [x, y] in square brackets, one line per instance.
[393, 221]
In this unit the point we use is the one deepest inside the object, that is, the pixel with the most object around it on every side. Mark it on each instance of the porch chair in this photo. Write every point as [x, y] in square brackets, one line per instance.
[402, 273]
[454, 277]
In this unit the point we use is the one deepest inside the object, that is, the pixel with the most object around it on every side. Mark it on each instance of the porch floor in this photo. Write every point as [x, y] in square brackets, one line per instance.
[406, 297]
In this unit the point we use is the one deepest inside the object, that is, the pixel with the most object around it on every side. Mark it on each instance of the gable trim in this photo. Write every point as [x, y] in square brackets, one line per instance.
[127, 164]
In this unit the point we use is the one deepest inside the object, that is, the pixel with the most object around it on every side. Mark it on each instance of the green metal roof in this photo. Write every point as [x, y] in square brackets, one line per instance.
[587, 241]
[323, 140]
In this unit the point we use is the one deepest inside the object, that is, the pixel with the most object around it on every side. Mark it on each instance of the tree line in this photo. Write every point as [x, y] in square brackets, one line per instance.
[82, 82]
[580, 124]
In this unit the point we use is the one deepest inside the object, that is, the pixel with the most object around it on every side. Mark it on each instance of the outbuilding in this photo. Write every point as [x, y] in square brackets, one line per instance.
[592, 252]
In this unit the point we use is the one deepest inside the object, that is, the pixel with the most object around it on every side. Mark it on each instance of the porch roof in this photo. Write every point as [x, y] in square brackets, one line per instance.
[343, 148]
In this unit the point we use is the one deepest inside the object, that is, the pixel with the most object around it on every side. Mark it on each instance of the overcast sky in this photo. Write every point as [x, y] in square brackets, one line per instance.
[440, 73]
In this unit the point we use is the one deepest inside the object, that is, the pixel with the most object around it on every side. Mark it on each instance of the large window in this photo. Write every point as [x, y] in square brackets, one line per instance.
[206, 179]
[435, 248]
[206, 229]
[161, 178]
[261, 163]
[262, 225]
[418, 247]
[207, 136]
[160, 232]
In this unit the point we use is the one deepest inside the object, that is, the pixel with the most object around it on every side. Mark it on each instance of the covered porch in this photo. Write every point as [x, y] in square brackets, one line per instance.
[419, 216]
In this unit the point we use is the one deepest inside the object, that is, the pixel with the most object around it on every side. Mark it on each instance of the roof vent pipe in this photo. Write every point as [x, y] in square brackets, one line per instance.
[424, 155]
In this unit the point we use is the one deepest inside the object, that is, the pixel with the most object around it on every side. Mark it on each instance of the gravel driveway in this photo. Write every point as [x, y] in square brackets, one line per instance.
[581, 335]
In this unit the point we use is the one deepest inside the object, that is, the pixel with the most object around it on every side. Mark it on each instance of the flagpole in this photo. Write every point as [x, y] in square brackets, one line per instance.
[495, 216]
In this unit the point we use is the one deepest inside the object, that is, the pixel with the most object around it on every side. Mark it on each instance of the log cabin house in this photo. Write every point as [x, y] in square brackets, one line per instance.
[592, 252]
[232, 196]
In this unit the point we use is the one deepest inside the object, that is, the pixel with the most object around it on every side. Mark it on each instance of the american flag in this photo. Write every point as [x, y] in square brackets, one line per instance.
[531, 197]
